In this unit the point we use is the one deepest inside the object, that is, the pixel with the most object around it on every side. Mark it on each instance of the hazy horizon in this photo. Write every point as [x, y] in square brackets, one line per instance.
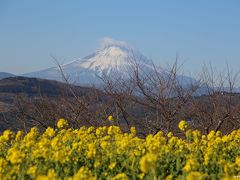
[199, 32]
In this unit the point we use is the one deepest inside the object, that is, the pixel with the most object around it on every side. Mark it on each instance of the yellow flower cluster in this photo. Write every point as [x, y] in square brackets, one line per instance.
[62, 123]
[183, 125]
[109, 153]
[110, 118]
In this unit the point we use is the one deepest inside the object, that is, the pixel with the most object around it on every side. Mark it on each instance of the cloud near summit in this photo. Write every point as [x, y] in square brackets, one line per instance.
[107, 41]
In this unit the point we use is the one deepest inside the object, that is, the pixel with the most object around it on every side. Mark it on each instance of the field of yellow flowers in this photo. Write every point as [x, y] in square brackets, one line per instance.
[108, 153]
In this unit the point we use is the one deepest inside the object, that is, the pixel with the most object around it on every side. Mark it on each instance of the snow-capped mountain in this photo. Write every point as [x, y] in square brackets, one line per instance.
[114, 58]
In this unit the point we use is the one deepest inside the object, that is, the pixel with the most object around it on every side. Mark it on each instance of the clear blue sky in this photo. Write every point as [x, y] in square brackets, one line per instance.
[31, 31]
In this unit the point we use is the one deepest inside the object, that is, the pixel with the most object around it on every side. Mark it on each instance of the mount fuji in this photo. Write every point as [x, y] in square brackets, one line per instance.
[112, 58]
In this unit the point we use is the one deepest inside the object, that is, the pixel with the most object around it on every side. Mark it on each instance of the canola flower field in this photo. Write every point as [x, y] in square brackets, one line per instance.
[108, 153]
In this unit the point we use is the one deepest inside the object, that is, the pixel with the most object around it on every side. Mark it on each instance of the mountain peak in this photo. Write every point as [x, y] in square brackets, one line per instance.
[114, 51]
[113, 48]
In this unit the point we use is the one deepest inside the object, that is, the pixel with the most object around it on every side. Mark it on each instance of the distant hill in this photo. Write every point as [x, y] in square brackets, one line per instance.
[37, 96]
[5, 75]
[36, 87]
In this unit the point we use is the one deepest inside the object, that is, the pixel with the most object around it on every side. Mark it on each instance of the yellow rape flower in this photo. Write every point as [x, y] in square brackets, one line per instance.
[84, 174]
[15, 156]
[3, 164]
[169, 177]
[141, 176]
[194, 175]
[237, 161]
[32, 135]
[147, 162]
[196, 136]
[120, 176]
[50, 176]
[110, 118]
[32, 171]
[50, 132]
[133, 131]
[62, 123]
[97, 164]
[104, 144]
[18, 135]
[211, 135]
[112, 165]
[59, 156]
[170, 134]
[190, 165]
[183, 125]
[90, 129]
[7, 135]
[91, 151]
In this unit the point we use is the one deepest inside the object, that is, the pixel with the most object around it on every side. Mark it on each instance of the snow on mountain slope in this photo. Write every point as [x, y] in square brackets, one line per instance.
[114, 57]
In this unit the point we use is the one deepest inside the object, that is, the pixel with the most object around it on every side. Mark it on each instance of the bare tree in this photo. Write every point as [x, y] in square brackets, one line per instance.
[218, 108]
[157, 96]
